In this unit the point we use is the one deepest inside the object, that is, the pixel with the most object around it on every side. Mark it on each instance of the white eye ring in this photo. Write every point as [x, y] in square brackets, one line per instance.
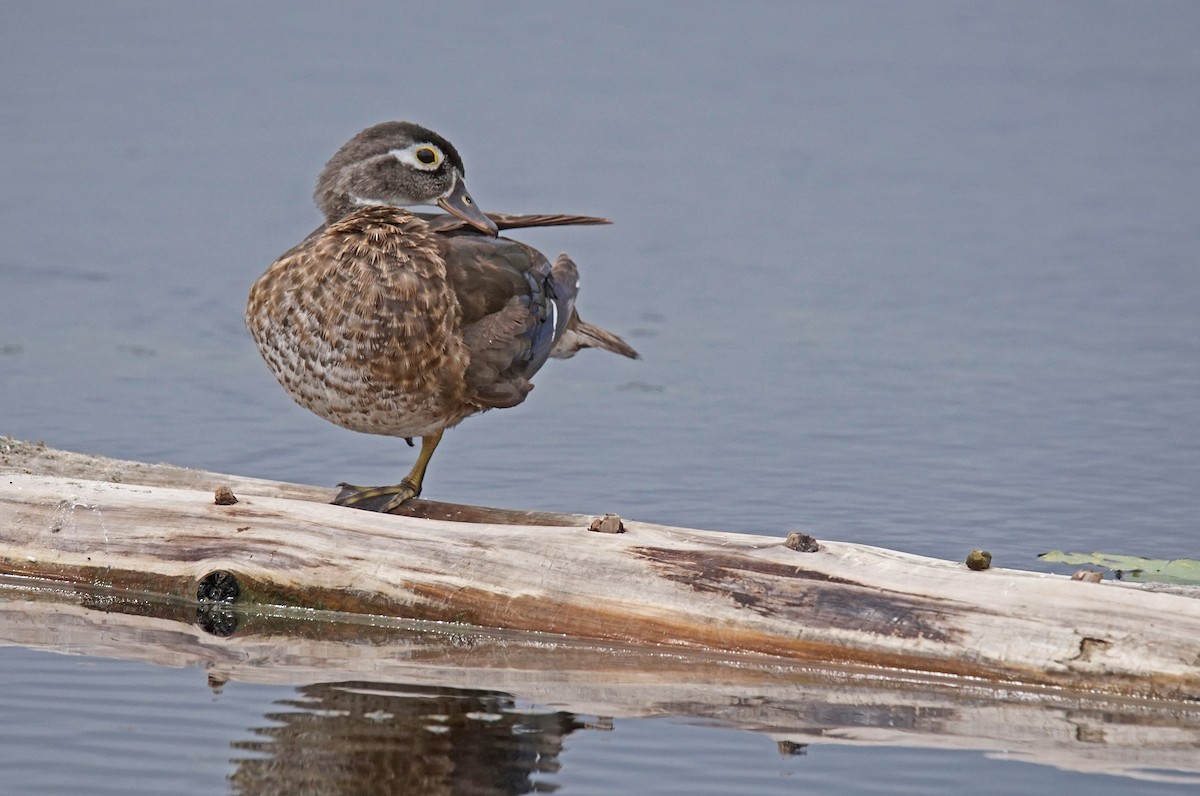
[425, 157]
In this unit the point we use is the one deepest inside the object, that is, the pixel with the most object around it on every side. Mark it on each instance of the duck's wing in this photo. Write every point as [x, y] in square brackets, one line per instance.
[443, 222]
[517, 221]
[515, 307]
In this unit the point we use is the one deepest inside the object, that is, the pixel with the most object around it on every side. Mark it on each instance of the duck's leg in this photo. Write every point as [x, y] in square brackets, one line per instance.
[407, 489]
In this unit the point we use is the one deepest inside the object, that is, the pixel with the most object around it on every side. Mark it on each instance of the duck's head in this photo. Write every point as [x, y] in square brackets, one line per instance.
[399, 164]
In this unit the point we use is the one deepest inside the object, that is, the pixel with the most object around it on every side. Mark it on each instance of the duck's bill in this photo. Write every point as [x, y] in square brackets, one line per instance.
[459, 203]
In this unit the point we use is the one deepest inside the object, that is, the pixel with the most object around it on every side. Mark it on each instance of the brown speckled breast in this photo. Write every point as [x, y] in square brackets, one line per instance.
[361, 326]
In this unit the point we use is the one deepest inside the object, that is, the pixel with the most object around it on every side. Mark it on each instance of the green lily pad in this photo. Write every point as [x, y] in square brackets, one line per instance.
[1138, 568]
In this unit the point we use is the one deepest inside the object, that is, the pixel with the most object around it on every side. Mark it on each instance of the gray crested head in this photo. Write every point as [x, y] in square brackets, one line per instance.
[397, 164]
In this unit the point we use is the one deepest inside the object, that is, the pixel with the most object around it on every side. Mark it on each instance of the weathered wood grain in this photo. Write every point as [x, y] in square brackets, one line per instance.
[156, 529]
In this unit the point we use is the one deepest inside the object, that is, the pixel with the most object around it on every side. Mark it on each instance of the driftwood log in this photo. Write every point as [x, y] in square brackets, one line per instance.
[157, 530]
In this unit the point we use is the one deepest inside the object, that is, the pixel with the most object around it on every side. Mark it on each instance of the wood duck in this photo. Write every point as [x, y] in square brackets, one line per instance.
[388, 321]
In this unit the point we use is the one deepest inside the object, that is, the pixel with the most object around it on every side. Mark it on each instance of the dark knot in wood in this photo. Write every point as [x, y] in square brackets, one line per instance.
[218, 587]
[216, 592]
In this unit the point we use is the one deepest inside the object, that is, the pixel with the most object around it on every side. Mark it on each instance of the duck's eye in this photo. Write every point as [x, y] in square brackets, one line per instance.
[426, 157]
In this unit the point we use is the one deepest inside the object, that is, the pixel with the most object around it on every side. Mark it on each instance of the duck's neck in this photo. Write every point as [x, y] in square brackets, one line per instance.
[335, 205]
[339, 205]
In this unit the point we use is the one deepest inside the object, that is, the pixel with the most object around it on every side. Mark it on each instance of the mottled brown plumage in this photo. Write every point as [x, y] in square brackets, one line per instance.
[391, 322]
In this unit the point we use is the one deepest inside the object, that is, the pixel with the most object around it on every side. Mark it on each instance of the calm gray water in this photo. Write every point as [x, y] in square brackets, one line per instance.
[919, 275]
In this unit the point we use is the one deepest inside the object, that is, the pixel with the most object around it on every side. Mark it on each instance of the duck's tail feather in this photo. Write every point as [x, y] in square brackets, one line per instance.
[581, 334]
